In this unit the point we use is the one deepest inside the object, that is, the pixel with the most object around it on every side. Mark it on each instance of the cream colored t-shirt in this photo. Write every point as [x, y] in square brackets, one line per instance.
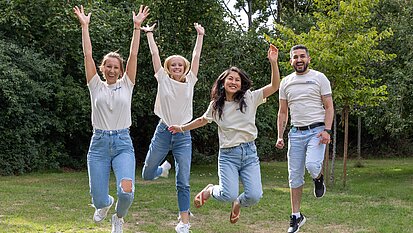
[303, 94]
[111, 104]
[174, 99]
[236, 127]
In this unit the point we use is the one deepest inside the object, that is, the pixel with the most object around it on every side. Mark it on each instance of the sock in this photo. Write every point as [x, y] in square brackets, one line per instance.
[297, 215]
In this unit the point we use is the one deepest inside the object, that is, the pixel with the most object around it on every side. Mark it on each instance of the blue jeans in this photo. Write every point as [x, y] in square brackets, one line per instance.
[239, 162]
[181, 145]
[111, 149]
[304, 151]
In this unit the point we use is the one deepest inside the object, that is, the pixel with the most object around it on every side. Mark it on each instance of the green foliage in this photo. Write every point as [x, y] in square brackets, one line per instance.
[29, 83]
[392, 120]
[343, 47]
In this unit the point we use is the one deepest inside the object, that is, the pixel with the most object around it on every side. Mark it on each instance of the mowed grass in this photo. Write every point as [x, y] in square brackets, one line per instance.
[377, 198]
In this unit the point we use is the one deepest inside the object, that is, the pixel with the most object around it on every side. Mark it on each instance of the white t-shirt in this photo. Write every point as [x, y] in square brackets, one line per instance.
[303, 94]
[111, 104]
[236, 127]
[174, 99]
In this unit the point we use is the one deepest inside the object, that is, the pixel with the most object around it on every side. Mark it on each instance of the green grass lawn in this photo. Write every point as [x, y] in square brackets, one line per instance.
[377, 198]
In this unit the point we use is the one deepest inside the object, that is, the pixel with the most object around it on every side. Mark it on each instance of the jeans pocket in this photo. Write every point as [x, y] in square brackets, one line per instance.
[124, 137]
[253, 148]
[97, 136]
[226, 150]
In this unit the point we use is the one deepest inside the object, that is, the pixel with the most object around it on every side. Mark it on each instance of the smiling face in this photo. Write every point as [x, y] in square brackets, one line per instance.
[300, 60]
[232, 84]
[111, 67]
[111, 70]
[177, 67]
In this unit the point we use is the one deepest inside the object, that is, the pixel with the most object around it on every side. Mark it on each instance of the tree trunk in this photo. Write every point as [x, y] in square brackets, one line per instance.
[249, 13]
[359, 138]
[333, 156]
[326, 161]
[279, 9]
[345, 114]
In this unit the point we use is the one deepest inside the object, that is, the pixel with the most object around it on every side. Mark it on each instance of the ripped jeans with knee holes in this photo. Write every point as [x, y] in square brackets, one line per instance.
[111, 149]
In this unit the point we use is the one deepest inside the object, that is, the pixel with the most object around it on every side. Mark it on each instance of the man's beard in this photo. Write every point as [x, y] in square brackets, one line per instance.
[300, 71]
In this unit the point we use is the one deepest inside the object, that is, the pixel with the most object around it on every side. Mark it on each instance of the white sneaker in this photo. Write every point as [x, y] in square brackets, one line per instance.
[165, 169]
[117, 224]
[100, 214]
[182, 228]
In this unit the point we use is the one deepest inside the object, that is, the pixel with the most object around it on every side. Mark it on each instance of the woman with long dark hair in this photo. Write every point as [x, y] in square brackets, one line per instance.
[233, 108]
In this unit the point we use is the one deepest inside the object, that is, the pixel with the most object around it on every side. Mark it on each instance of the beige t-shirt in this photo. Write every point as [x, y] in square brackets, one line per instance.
[111, 104]
[174, 99]
[236, 127]
[303, 94]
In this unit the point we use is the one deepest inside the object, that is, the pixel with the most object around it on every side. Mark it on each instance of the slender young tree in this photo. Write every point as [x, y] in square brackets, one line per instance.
[343, 47]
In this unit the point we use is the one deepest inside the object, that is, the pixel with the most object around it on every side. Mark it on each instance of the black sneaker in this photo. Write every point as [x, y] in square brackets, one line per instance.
[319, 187]
[296, 223]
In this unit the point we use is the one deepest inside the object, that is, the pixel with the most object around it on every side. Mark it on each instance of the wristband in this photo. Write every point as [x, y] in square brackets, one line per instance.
[329, 131]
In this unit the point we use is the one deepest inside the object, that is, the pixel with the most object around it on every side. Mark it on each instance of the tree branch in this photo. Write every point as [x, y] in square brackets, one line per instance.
[231, 15]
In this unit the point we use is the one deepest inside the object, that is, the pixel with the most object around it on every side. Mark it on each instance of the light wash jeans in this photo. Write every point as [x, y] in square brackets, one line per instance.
[234, 163]
[181, 145]
[111, 149]
[304, 151]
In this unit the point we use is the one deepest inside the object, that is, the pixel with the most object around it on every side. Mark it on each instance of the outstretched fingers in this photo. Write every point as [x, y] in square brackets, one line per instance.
[141, 16]
[149, 28]
[80, 13]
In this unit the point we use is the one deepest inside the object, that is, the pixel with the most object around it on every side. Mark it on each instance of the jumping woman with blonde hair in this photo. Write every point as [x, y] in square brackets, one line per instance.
[173, 105]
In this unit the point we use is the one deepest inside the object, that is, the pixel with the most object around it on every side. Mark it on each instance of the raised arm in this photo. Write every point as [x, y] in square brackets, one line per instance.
[271, 88]
[197, 123]
[84, 20]
[196, 54]
[282, 120]
[131, 65]
[156, 60]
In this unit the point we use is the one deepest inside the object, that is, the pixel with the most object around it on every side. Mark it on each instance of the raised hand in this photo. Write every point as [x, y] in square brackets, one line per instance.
[141, 16]
[148, 28]
[272, 53]
[80, 13]
[199, 29]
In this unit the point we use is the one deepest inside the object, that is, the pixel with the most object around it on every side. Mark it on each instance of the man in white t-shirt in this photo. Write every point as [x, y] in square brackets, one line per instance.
[307, 94]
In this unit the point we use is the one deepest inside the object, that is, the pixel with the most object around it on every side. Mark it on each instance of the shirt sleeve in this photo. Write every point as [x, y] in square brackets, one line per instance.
[208, 114]
[160, 74]
[191, 78]
[257, 96]
[127, 82]
[325, 85]
[93, 84]
[281, 91]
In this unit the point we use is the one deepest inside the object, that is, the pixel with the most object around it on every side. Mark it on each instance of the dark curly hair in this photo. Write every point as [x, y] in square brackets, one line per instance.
[218, 91]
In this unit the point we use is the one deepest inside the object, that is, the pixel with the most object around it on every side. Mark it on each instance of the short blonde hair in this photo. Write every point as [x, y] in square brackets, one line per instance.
[113, 55]
[167, 63]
